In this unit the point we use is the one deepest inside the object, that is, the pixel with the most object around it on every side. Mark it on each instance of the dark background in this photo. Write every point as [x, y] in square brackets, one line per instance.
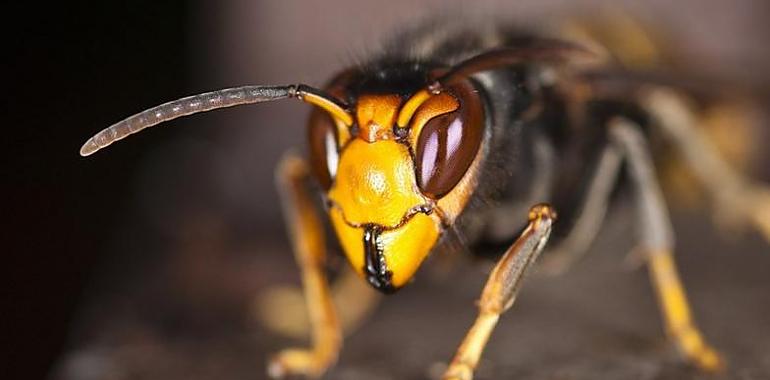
[177, 228]
[69, 69]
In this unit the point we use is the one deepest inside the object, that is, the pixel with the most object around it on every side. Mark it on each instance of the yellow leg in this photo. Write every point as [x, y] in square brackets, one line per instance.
[761, 213]
[307, 239]
[282, 308]
[500, 291]
[576, 244]
[676, 313]
[736, 199]
[656, 241]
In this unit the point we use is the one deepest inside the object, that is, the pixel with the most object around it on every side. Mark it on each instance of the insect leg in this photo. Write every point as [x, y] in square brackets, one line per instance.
[307, 237]
[735, 197]
[592, 214]
[282, 308]
[657, 242]
[501, 289]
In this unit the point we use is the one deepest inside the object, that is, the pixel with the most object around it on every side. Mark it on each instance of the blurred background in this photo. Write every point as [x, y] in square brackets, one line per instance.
[145, 260]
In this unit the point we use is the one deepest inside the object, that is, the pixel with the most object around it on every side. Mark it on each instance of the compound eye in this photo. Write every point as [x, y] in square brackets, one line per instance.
[447, 146]
[324, 152]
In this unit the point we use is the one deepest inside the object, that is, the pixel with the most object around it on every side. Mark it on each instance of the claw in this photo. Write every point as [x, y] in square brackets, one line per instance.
[710, 361]
[740, 209]
[276, 369]
[458, 371]
[296, 362]
[760, 214]
[699, 353]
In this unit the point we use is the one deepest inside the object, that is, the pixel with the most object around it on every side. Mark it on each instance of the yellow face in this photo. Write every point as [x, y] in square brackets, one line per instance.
[375, 193]
[386, 221]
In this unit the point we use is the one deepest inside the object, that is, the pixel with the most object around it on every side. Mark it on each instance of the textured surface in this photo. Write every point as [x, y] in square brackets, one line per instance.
[598, 321]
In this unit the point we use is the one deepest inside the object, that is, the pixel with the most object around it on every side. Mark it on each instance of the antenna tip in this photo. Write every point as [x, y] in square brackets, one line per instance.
[89, 148]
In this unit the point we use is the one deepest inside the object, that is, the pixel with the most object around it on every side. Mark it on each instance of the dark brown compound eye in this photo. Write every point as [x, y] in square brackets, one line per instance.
[447, 146]
[324, 152]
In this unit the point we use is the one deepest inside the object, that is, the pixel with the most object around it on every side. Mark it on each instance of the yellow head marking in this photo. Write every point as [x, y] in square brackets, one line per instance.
[375, 115]
[375, 186]
[408, 246]
[384, 222]
[375, 183]
[436, 105]
[411, 106]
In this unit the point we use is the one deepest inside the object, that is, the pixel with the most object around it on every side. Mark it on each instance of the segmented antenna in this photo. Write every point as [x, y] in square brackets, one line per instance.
[537, 50]
[186, 106]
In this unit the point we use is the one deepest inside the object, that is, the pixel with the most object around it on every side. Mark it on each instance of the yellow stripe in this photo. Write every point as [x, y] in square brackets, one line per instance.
[676, 312]
[329, 106]
[411, 106]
